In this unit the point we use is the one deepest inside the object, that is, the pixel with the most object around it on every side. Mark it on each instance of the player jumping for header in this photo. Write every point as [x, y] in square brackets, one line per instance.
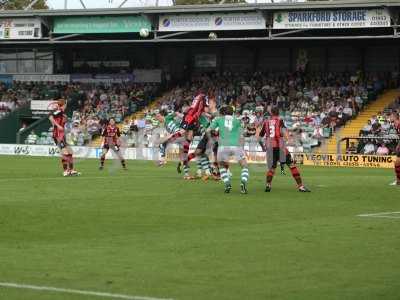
[230, 145]
[58, 119]
[206, 147]
[111, 135]
[276, 135]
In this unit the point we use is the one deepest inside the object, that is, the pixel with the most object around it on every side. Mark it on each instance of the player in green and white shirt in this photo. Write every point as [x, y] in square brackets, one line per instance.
[171, 123]
[230, 145]
[202, 160]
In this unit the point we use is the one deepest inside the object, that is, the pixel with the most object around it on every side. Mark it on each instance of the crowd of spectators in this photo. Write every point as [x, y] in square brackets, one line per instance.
[312, 106]
[11, 99]
[91, 105]
[380, 134]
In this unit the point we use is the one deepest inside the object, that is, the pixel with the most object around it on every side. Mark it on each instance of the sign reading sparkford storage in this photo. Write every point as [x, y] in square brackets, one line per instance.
[348, 160]
[206, 22]
[20, 29]
[330, 19]
[107, 24]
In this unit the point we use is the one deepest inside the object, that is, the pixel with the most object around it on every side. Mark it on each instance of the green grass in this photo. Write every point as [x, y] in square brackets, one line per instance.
[147, 232]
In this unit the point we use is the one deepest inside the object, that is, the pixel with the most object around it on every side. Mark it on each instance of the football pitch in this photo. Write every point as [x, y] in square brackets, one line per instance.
[147, 234]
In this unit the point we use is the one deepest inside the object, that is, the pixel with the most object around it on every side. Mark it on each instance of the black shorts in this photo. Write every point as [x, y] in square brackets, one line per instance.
[61, 144]
[112, 147]
[277, 158]
[202, 146]
[215, 148]
[187, 126]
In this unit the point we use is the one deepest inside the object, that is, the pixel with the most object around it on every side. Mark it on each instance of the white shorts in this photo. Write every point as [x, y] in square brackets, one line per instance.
[226, 152]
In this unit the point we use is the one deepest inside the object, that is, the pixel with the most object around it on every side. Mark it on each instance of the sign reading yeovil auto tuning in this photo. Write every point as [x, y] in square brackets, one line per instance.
[331, 19]
[211, 22]
[20, 29]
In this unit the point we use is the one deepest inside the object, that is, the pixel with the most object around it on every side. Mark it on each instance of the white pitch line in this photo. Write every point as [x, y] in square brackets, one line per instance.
[72, 178]
[50, 178]
[388, 215]
[379, 214]
[72, 291]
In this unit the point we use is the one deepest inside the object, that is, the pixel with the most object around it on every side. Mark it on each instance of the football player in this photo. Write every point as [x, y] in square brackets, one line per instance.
[276, 135]
[58, 119]
[111, 135]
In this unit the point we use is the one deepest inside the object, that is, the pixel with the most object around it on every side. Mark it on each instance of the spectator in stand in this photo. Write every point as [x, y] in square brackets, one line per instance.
[376, 128]
[23, 127]
[126, 127]
[367, 129]
[32, 138]
[352, 149]
[250, 130]
[385, 127]
[348, 111]
[93, 126]
[369, 148]
[382, 150]
[318, 133]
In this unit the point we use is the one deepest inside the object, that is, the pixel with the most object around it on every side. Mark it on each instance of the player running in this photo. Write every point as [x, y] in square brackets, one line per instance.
[276, 135]
[58, 119]
[111, 135]
[230, 144]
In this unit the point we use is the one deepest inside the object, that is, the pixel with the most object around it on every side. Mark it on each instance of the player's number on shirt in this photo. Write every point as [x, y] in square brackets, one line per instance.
[271, 130]
[228, 124]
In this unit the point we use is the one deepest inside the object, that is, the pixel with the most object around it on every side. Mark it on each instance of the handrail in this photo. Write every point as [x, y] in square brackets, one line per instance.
[30, 127]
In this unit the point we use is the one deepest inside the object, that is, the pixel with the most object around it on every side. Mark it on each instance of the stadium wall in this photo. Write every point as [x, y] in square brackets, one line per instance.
[320, 160]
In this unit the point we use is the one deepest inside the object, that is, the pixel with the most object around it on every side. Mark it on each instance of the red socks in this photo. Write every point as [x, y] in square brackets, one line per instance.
[191, 156]
[397, 171]
[64, 162]
[270, 176]
[296, 175]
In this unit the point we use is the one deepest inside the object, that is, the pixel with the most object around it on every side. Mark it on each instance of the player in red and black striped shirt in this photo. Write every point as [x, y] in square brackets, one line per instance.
[111, 135]
[275, 133]
[58, 119]
[396, 124]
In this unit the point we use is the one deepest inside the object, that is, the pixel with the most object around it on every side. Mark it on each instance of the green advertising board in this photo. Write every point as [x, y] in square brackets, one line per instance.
[100, 24]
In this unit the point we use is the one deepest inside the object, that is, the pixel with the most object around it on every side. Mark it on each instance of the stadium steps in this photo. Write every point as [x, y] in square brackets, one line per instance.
[137, 115]
[353, 127]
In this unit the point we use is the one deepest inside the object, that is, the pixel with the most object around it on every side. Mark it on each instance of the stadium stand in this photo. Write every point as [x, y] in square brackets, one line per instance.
[312, 106]
[93, 103]
[355, 126]
[11, 99]
[380, 133]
